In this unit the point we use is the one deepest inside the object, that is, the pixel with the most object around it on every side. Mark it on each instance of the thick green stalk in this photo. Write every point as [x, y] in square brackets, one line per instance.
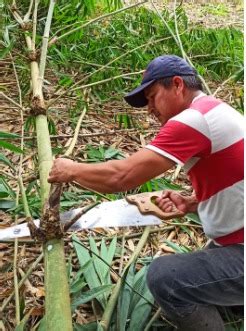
[57, 303]
[57, 300]
[44, 155]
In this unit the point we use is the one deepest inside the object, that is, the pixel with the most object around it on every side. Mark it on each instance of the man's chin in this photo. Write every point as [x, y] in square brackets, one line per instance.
[162, 121]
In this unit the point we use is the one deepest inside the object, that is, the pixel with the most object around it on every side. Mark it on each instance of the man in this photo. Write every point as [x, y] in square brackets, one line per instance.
[206, 136]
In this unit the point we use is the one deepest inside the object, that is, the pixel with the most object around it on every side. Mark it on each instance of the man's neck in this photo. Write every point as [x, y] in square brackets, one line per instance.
[191, 95]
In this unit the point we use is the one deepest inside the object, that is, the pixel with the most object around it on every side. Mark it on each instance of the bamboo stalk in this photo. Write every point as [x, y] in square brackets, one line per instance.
[20, 189]
[34, 29]
[58, 314]
[45, 43]
[76, 133]
[107, 315]
[27, 16]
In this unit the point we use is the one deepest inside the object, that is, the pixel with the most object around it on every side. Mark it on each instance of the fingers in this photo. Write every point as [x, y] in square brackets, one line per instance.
[165, 204]
[53, 173]
[170, 201]
[61, 171]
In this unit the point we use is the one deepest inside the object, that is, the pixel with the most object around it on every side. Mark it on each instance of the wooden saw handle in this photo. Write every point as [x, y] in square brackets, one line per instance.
[146, 205]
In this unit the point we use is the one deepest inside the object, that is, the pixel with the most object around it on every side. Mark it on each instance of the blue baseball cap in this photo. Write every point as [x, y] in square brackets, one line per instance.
[161, 67]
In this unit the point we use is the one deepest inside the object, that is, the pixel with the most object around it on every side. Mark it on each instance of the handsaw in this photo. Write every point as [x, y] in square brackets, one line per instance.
[134, 210]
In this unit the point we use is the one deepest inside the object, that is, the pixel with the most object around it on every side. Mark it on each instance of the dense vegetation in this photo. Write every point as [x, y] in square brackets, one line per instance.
[104, 58]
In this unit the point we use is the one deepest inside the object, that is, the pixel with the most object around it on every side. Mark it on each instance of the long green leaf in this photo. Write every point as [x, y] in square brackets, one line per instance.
[11, 147]
[7, 135]
[176, 247]
[22, 325]
[100, 267]
[124, 300]
[6, 161]
[90, 273]
[90, 295]
[86, 327]
[141, 313]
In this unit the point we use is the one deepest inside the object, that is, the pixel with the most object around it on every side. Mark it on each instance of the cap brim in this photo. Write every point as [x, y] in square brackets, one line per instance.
[136, 98]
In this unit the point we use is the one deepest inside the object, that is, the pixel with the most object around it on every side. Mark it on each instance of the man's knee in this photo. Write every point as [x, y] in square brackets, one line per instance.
[161, 273]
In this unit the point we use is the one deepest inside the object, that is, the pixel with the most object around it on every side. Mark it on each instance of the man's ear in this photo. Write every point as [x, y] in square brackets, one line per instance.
[178, 83]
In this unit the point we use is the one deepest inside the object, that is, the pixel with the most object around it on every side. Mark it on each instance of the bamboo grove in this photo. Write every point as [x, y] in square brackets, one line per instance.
[95, 48]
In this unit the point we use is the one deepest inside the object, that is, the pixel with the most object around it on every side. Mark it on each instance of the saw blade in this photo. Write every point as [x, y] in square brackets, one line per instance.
[118, 213]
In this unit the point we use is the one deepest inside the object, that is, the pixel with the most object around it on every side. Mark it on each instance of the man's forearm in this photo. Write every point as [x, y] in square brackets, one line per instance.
[111, 176]
[102, 177]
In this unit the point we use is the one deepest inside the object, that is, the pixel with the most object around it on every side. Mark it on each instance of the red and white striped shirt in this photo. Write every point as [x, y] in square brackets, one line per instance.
[207, 139]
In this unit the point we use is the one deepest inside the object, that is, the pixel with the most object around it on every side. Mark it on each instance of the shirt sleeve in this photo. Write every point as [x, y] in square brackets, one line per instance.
[179, 142]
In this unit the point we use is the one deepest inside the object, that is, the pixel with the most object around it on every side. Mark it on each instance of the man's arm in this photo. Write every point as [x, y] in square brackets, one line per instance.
[112, 176]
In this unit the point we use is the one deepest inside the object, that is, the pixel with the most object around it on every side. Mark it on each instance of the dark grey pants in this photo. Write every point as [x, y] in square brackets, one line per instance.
[188, 287]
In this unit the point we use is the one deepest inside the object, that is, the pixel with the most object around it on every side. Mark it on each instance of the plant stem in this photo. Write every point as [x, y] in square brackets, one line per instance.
[34, 30]
[153, 318]
[20, 188]
[106, 318]
[27, 16]
[178, 42]
[177, 31]
[76, 133]
[44, 48]
[95, 83]
[107, 80]
[11, 100]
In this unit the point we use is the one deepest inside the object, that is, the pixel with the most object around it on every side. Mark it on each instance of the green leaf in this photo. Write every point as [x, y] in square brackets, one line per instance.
[90, 295]
[108, 255]
[11, 147]
[86, 327]
[90, 274]
[7, 135]
[139, 286]
[194, 218]
[141, 313]
[6, 204]
[5, 160]
[78, 285]
[176, 247]
[22, 325]
[110, 153]
[4, 193]
[125, 299]
[42, 326]
[100, 267]
[99, 327]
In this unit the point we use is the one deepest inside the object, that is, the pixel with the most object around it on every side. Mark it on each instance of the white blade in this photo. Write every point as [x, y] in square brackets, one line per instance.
[117, 213]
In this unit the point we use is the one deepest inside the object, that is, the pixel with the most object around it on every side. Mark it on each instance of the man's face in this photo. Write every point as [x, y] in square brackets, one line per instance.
[162, 102]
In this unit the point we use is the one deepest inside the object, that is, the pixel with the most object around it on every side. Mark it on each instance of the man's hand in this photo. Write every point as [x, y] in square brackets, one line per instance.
[172, 199]
[62, 171]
